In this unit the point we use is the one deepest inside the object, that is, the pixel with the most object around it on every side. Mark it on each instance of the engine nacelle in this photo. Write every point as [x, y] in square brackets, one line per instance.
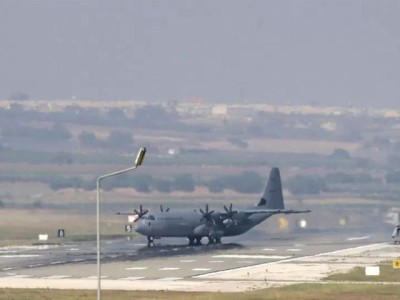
[201, 230]
[204, 230]
[228, 222]
[240, 217]
[216, 232]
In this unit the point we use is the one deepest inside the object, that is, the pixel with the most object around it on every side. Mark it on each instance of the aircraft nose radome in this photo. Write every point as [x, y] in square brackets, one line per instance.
[138, 228]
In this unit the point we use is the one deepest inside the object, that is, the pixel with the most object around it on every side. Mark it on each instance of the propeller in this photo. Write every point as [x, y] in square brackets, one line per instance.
[228, 215]
[207, 215]
[141, 212]
[162, 209]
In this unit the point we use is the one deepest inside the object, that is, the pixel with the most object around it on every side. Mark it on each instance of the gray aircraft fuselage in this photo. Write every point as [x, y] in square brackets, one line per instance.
[189, 223]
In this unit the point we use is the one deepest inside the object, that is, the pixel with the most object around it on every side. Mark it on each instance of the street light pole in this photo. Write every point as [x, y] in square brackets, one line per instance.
[138, 161]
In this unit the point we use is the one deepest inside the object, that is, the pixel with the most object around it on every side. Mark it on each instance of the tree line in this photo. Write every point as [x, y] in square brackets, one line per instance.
[245, 183]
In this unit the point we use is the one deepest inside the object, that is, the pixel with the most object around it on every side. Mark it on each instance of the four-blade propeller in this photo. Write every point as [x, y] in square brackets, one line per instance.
[141, 212]
[162, 209]
[136, 215]
[228, 216]
[207, 215]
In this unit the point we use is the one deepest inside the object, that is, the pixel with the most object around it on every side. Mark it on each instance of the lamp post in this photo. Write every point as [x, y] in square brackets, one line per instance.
[138, 162]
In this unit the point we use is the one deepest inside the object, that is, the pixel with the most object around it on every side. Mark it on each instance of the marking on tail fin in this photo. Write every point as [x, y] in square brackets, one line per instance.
[262, 202]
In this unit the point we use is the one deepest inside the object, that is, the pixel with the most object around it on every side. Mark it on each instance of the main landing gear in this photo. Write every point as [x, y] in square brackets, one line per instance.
[194, 241]
[214, 240]
[150, 241]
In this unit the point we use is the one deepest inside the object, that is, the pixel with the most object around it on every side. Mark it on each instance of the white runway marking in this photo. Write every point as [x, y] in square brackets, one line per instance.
[35, 266]
[293, 250]
[73, 249]
[201, 269]
[136, 268]
[132, 278]
[8, 269]
[57, 277]
[57, 262]
[8, 251]
[95, 277]
[168, 269]
[359, 238]
[216, 261]
[269, 249]
[251, 256]
[19, 256]
[20, 276]
[347, 251]
[350, 251]
[21, 248]
[170, 278]
[187, 260]
[78, 259]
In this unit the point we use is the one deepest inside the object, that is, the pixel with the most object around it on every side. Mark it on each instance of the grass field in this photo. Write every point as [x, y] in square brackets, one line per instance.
[339, 289]
[387, 274]
[23, 226]
[298, 292]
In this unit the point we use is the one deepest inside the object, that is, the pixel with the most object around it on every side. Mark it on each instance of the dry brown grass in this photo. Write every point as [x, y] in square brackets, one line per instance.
[23, 226]
[387, 274]
[298, 292]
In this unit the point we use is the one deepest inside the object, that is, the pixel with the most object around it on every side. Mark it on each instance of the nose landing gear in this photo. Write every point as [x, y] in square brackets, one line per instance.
[150, 241]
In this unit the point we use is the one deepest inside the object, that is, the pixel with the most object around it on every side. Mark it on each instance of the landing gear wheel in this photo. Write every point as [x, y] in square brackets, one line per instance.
[198, 241]
[214, 240]
[150, 241]
[191, 240]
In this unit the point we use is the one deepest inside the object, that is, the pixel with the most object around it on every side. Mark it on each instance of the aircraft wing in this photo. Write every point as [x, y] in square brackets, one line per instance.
[274, 211]
[243, 214]
[293, 211]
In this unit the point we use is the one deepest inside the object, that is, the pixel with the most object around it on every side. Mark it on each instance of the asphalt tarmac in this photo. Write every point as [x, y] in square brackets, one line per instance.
[124, 260]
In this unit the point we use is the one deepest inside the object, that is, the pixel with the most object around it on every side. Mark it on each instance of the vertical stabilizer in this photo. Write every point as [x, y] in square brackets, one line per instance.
[272, 197]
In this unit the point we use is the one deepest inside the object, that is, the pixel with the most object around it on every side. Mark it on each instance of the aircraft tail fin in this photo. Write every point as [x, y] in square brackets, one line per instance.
[272, 198]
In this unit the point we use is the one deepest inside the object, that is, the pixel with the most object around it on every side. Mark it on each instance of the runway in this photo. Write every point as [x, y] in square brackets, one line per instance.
[236, 265]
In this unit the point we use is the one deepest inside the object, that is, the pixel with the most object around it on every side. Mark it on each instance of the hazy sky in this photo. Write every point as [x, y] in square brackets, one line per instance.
[329, 52]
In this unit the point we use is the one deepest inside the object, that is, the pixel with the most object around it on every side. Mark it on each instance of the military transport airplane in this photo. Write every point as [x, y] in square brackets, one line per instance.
[196, 224]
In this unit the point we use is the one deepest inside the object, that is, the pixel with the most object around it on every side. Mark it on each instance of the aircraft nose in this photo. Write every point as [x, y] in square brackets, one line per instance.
[139, 227]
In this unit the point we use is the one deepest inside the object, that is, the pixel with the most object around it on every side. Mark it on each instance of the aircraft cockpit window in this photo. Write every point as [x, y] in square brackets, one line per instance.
[151, 217]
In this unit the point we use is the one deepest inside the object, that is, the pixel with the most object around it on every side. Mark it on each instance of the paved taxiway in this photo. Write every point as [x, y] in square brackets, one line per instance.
[236, 265]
